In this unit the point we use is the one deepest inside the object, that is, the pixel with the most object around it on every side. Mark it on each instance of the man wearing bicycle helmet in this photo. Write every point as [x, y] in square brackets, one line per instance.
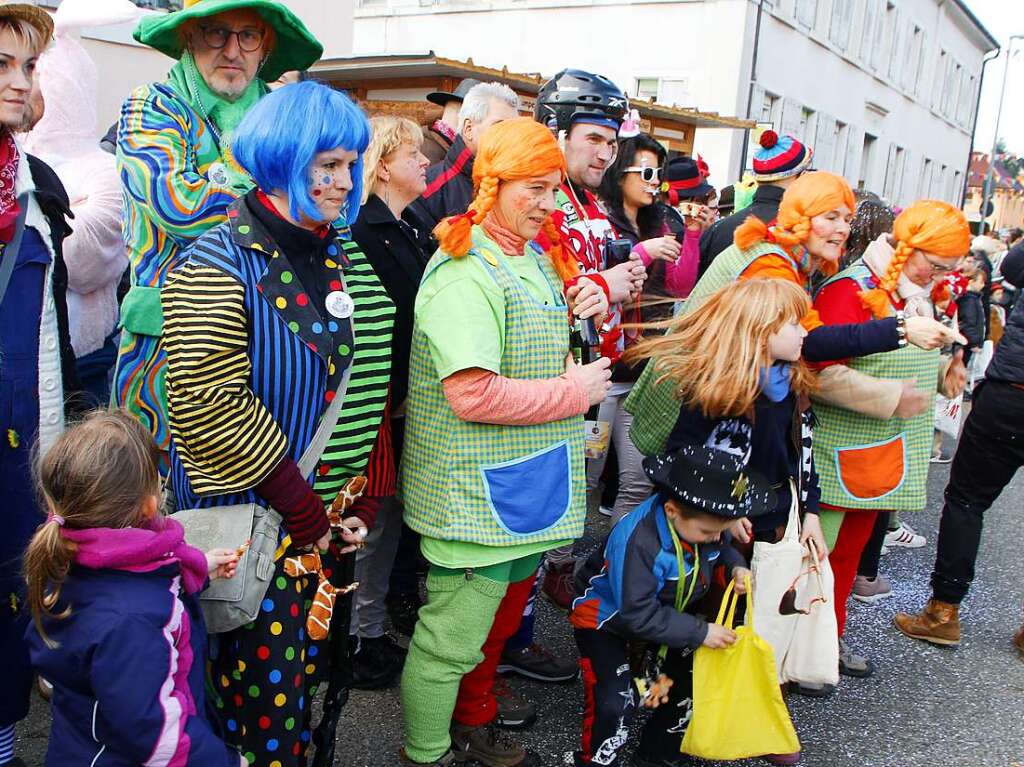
[585, 111]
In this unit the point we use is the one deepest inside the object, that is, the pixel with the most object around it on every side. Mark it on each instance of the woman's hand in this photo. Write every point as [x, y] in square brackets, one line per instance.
[739, 579]
[221, 563]
[913, 401]
[742, 530]
[586, 299]
[700, 222]
[665, 248]
[594, 377]
[353, 533]
[812, 532]
[927, 333]
[626, 280]
[956, 376]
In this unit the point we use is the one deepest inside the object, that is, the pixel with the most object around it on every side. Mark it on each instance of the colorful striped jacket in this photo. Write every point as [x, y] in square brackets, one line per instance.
[252, 363]
[170, 162]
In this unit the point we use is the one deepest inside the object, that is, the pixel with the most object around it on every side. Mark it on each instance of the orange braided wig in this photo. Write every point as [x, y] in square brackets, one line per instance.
[510, 151]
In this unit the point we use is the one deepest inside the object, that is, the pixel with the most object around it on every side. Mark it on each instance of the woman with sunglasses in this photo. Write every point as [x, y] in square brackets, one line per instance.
[873, 435]
[629, 191]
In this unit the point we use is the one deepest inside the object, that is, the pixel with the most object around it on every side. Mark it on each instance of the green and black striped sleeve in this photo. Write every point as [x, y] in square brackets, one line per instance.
[227, 440]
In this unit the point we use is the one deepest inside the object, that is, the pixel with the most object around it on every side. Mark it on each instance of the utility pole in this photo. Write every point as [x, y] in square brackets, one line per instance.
[986, 186]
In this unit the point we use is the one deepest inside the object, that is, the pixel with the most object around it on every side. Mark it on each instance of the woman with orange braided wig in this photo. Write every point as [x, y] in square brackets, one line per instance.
[874, 432]
[492, 469]
[808, 236]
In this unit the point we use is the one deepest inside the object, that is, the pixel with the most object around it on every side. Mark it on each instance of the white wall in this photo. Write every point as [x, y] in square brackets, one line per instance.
[850, 78]
[803, 58]
[693, 40]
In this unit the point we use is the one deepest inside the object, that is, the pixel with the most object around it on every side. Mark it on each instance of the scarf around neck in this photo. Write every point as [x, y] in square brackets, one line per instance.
[10, 157]
[154, 544]
[511, 244]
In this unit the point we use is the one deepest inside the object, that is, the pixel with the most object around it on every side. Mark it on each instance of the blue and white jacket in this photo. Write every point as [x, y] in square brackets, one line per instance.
[628, 586]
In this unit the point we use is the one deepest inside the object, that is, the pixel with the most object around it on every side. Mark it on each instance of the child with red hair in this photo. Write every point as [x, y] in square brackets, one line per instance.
[808, 236]
[874, 422]
[492, 469]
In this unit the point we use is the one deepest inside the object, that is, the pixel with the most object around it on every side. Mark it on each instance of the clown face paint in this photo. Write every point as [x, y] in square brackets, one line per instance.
[523, 206]
[330, 181]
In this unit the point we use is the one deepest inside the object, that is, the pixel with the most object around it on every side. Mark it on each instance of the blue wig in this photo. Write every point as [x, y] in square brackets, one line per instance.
[279, 137]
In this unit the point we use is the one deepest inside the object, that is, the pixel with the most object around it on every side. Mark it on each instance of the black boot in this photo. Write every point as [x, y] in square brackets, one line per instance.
[376, 663]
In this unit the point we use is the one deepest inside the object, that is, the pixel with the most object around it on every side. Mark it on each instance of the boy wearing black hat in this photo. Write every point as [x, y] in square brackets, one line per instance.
[642, 584]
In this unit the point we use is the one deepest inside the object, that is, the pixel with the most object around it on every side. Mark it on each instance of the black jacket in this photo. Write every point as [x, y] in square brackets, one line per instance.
[54, 203]
[398, 251]
[971, 318]
[719, 236]
[449, 186]
[1008, 363]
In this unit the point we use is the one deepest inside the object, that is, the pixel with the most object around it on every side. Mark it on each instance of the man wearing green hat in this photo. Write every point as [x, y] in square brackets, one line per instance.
[173, 153]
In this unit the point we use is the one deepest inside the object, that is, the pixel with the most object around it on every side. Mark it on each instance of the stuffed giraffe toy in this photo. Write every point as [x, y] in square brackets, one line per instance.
[318, 622]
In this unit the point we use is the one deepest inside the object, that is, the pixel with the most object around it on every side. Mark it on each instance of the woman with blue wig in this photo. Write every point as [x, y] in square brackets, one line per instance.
[264, 321]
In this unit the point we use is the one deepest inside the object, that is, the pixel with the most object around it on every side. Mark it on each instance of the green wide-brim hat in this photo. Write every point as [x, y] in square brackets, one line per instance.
[295, 47]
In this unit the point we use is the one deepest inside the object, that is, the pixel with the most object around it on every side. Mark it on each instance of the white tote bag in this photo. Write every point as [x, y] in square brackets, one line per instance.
[805, 641]
[813, 655]
[775, 566]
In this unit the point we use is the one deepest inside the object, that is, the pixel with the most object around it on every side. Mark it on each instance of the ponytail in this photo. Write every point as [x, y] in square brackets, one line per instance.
[45, 566]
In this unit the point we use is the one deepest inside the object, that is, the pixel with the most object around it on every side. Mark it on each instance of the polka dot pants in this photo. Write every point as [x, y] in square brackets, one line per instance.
[265, 674]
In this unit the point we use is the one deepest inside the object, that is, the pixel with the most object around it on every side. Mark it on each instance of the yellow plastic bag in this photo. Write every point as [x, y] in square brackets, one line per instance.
[738, 710]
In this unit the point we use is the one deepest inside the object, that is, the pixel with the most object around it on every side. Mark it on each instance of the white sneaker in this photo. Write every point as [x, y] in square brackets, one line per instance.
[905, 536]
[605, 511]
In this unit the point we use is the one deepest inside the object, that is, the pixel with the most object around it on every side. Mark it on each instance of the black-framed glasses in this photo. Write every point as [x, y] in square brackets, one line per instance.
[249, 39]
[941, 268]
[648, 174]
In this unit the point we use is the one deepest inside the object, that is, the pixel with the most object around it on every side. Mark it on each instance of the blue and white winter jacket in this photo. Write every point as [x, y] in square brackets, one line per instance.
[628, 586]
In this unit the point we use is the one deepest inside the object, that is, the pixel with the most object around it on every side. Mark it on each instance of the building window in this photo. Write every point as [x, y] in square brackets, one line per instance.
[647, 87]
[866, 158]
[924, 183]
[806, 13]
[869, 31]
[938, 79]
[893, 184]
[805, 131]
[842, 20]
[912, 58]
[958, 187]
[894, 43]
[965, 103]
[770, 109]
[841, 136]
[675, 92]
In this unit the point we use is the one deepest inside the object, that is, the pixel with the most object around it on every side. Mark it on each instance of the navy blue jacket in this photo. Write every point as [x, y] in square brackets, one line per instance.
[127, 673]
[628, 585]
[1008, 363]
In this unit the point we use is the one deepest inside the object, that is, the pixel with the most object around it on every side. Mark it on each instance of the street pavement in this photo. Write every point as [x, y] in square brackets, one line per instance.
[925, 706]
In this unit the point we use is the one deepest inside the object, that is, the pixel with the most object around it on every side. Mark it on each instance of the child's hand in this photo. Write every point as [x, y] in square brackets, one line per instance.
[719, 637]
[742, 530]
[221, 563]
[244, 762]
[812, 531]
[353, 532]
[739, 577]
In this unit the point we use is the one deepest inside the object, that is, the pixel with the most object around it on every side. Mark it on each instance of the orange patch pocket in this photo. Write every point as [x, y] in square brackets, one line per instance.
[867, 472]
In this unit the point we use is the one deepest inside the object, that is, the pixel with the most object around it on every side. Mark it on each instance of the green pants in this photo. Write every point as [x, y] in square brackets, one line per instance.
[446, 645]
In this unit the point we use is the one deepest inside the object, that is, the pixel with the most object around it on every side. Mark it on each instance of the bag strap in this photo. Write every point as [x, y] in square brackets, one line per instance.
[728, 605]
[793, 524]
[328, 420]
[10, 251]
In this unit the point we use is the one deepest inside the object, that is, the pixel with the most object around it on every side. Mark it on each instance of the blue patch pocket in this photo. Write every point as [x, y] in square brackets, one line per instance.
[530, 494]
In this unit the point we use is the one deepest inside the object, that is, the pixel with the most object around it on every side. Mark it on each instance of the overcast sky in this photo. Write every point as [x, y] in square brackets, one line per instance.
[1002, 18]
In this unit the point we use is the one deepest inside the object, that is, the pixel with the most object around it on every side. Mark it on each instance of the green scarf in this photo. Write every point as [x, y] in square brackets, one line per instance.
[186, 80]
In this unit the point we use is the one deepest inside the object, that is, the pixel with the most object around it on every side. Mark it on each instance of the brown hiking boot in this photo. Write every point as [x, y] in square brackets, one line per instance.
[938, 623]
[1018, 640]
[489, 746]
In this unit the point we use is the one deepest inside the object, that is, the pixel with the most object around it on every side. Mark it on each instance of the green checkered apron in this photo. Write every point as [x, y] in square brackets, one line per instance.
[867, 463]
[483, 483]
[653, 403]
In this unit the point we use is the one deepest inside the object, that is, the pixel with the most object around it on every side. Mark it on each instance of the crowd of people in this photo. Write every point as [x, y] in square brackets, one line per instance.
[350, 360]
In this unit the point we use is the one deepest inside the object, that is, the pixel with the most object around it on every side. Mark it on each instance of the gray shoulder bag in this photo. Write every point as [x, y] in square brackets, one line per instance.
[229, 604]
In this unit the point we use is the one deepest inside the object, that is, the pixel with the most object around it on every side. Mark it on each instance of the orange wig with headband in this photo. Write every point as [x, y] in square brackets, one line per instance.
[812, 194]
[930, 225]
[512, 150]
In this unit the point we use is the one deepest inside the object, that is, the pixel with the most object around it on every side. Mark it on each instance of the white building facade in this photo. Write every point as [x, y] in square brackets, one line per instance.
[884, 90]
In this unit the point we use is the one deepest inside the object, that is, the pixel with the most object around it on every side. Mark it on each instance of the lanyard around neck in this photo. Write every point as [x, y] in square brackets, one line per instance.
[681, 601]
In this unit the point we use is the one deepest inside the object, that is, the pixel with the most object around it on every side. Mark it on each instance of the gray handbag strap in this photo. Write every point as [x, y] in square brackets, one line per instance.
[11, 251]
[328, 420]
